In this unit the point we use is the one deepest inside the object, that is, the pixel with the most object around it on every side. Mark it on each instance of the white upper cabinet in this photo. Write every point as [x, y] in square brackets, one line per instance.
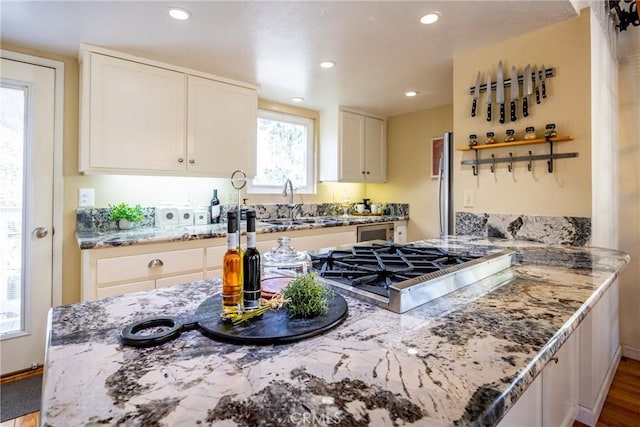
[353, 146]
[221, 128]
[144, 117]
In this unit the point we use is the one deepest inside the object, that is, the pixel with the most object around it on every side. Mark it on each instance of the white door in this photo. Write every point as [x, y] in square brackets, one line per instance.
[27, 129]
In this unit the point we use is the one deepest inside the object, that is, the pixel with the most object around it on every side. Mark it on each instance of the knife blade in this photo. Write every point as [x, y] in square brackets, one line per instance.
[526, 90]
[536, 76]
[500, 91]
[476, 94]
[515, 92]
[543, 78]
[489, 96]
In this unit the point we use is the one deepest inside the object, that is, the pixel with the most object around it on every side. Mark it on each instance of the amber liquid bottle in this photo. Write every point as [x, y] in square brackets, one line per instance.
[251, 266]
[232, 271]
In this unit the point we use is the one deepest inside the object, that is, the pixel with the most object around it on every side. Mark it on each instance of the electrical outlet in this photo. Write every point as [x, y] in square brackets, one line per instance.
[469, 198]
[86, 197]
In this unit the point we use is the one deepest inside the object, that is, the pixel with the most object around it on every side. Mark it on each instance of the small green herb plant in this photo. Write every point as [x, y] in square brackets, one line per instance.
[124, 211]
[306, 296]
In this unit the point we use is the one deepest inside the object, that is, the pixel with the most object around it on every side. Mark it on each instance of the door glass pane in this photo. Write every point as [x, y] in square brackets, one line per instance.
[12, 143]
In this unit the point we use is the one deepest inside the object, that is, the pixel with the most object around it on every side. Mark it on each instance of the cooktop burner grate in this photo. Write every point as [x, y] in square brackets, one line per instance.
[375, 267]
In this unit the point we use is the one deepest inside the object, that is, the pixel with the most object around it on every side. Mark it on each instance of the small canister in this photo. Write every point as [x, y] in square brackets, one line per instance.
[550, 130]
[510, 136]
[473, 140]
[490, 138]
[530, 133]
[281, 265]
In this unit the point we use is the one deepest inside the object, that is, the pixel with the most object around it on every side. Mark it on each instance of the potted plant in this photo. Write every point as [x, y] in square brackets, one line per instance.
[126, 216]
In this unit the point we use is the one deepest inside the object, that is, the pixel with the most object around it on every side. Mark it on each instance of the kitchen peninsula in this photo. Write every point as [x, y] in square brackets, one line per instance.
[462, 359]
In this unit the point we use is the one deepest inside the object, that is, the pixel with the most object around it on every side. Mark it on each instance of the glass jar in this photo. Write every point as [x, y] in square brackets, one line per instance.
[490, 138]
[530, 133]
[510, 136]
[473, 140]
[281, 265]
[550, 130]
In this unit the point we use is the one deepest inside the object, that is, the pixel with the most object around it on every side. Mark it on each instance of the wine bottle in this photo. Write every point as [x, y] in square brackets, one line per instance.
[251, 266]
[232, 271]
[215, 208]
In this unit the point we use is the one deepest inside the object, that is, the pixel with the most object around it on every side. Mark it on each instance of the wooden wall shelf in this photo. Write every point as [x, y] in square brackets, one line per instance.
[516, 143]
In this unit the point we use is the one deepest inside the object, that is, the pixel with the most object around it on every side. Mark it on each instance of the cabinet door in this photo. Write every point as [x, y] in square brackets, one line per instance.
[375, 150]
[560, 386]
[221, 129]
[527, 411]
[136, 117]
[351, 128]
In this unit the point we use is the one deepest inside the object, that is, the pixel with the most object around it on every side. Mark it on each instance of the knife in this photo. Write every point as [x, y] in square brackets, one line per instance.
[476, 94]
[536, 76]
[515, 91]
[500, 91]
[489, 93]
[543, 77]
[527, 89]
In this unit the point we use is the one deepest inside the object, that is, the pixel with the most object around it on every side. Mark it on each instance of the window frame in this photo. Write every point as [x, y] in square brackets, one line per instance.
[310, 123]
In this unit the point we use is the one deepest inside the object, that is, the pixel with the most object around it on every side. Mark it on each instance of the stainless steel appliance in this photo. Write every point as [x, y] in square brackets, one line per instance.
[402, 277]
[383, 231]
[445, 187]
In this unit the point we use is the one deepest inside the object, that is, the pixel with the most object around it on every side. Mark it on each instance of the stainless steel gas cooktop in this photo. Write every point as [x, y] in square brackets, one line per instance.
[402, 277]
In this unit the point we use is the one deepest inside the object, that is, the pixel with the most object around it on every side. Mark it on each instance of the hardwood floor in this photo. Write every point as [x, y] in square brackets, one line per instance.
[621, 408]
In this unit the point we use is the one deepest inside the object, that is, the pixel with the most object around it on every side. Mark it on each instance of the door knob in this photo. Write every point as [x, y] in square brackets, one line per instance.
[40, 232]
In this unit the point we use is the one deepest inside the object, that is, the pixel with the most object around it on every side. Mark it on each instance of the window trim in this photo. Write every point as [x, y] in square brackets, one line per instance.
[310, 123]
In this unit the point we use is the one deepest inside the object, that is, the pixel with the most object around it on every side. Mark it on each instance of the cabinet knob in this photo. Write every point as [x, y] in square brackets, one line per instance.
[155, 263]
[555, 359]
[368, 172]
[192, 161]
[363, 172]
[180, 160]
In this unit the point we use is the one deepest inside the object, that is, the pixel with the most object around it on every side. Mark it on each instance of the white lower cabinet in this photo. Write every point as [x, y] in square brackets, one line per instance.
[552, 399]
[120, 270]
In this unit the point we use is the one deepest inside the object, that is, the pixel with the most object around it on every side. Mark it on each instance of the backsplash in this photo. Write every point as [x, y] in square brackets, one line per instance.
[563, 230]
[97, 219]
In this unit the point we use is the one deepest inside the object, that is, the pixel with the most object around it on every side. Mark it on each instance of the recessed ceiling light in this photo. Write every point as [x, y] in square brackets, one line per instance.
[297, 99]
[327, 64]
[411, 93]
[179, 13]
[430, 18]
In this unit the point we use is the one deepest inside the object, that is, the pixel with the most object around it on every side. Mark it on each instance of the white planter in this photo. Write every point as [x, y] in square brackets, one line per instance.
[125, 224]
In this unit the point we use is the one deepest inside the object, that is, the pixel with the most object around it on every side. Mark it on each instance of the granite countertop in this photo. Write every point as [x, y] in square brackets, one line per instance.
[459, 360]
[145, 235]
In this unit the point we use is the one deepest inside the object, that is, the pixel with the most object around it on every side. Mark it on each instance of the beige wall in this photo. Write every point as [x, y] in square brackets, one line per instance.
[409, 167]
[567, 191]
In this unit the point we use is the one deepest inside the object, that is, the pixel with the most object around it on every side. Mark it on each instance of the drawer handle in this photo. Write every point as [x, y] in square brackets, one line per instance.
[155, 263]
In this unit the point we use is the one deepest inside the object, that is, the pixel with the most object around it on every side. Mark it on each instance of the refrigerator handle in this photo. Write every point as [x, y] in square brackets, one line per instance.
[440, 201]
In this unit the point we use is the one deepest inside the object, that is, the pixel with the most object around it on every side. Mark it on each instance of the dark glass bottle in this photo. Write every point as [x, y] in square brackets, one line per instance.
[232, 271]
[251, 266]
[215, 208]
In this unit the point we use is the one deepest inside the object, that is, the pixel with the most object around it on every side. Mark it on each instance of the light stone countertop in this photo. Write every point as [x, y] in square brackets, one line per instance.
[460, 360]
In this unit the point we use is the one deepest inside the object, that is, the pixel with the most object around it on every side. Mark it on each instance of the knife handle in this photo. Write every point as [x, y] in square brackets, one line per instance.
[525, 107]
[488, 112]
[502, 113]
[473, 108]
[544, 90]
[513, 111]
[537, 95]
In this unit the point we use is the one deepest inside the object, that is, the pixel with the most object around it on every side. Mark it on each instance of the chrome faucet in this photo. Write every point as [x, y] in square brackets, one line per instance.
[291, 205]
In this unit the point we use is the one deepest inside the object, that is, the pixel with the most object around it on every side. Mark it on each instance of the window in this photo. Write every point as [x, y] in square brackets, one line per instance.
[284, 150]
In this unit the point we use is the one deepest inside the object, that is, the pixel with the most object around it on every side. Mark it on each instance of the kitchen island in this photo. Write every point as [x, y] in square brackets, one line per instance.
[463, 359]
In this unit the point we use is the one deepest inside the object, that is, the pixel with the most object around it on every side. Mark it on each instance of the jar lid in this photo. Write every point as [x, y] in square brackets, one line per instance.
[473, 136]
[530, 129]
[284, 254]
[510, 131]
[550, 126]
[491, 134]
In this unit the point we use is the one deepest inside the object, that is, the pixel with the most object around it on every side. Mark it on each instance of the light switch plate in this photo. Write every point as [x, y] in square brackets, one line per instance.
[86, 197]
[469, 198]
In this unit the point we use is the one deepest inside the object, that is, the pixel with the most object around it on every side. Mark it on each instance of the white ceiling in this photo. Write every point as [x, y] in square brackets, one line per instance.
[380, 48]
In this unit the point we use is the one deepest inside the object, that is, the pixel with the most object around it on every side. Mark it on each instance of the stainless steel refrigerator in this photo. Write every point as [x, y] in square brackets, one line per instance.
[445, 186]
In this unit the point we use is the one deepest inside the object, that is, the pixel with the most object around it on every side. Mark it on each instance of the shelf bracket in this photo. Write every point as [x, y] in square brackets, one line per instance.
[474, 167]
[493, 163]
[530, 164]
[510, 167]
[550, 161]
